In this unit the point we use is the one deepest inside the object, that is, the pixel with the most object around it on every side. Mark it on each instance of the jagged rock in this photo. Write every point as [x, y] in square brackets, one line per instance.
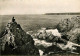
[71, 28]
[69, 24]
[74, 35]
[15, 41]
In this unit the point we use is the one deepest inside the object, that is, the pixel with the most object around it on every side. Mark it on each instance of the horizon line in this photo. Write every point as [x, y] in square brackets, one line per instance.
[60, 13]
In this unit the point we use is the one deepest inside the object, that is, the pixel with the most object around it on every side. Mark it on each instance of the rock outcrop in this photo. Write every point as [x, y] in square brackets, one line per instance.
[15, 41]
[71, 28]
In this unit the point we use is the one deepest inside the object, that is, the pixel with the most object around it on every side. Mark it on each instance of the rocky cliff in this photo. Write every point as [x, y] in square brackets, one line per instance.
[15, 41]
[71, 28]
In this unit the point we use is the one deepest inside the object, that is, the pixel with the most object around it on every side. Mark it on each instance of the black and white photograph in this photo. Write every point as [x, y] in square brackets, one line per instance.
[39, 27]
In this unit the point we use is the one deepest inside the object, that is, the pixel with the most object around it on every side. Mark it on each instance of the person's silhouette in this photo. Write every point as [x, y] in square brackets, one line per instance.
[13, 20]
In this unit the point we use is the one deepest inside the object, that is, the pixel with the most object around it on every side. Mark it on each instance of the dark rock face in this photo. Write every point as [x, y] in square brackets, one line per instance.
[15, 41]
[71, 28]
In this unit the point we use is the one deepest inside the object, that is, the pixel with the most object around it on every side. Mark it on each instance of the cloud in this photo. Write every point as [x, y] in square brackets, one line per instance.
[38, 6]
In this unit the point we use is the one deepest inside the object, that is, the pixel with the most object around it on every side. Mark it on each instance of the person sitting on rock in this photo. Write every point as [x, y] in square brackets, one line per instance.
[13, 24]
[13, 21]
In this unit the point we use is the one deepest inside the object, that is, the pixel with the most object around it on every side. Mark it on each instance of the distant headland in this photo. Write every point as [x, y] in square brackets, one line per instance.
[62, 13]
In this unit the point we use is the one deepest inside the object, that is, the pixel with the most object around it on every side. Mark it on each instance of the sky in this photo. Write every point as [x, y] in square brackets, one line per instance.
[8, 7]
